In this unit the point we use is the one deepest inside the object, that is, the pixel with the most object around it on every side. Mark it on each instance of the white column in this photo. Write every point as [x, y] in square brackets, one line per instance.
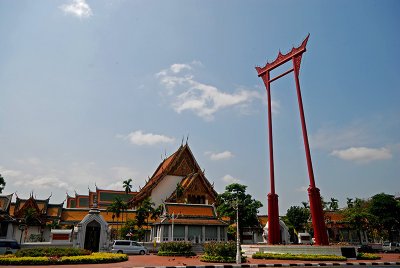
[186, 232]
[218, 233]
[161, 233]
[170, 238]
[203, 233]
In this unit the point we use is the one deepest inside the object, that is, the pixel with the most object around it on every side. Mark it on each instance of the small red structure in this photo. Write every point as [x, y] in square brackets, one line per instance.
[321, 236]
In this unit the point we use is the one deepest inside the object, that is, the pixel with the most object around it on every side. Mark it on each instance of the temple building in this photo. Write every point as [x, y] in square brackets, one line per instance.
[178, 182]
[177, 179]
[103, 198]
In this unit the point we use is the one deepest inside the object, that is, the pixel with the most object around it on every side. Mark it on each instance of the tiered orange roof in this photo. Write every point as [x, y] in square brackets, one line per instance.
[181, 163]
[190, 211]
[197, 214]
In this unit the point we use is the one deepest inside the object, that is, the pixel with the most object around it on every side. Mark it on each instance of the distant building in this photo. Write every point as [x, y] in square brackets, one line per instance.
[103, 198]
[177, 182]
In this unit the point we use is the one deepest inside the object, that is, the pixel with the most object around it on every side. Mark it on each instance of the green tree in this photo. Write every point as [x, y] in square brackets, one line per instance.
[53, 225]
[128, 189]
[179, 190]
[386, 209]
[144, 212]
[350, 202]
[333, 204]
[2, 184]
[117, 207]
[127, 186]
[248, 207]
[298, 217]
[130, 227]
[358, 217]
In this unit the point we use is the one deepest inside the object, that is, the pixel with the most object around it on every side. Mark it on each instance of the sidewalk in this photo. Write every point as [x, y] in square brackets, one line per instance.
[192, 262]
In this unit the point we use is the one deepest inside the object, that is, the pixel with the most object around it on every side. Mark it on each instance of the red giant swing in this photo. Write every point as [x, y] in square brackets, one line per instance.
[321, 236]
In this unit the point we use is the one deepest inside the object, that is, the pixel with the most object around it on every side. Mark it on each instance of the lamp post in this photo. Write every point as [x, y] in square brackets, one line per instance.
[238, 257]
[173, 218]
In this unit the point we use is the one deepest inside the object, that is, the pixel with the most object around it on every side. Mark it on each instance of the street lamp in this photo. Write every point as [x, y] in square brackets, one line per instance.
[236, 206]
[173, 217]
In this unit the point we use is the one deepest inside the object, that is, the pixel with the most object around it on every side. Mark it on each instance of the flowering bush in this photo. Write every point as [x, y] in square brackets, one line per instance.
[367, 256]
[220, 252]
[304, 257]
[93, 258]
[51, 252]
[176, 249]
[227, 249]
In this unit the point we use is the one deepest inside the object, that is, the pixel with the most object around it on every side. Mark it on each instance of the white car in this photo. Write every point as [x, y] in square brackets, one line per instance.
[391, 247]
[9, 247]
[128, 247]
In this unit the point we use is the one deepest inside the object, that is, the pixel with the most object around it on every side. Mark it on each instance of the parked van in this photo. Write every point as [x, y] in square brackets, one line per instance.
[128, 247]
[9, 247]
[391, 247]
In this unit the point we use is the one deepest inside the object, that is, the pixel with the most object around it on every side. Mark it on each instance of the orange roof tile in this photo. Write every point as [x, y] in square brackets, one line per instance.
[263, 220]
[52, 212]
[12, 208]
[193, 221]
[190, 211]
[334, 216]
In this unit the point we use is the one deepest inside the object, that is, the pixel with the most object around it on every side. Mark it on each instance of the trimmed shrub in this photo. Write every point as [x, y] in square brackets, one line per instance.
[93, 258]
[227, 249]
[367, 256]
[176, 249]
[304, 257]
[52, 252]
[220, 252]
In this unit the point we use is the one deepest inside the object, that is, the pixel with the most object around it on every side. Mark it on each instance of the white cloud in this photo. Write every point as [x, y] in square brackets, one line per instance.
[9, 173]
[78, 8]
[44, 183]
[177, 67]
[230, 179]
[301, 189]
[362, 154]
[140, 138]
[219, 156]
[202, 99]
[335, 137]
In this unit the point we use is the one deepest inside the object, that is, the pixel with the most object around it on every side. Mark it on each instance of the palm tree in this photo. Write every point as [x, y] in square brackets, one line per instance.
[117, 207]
[349, 202]
[2, 184]
[333, 204]
[127, 186]
[128, 189]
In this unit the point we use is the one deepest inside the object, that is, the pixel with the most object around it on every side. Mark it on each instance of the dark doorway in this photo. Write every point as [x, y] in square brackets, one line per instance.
[92, 236]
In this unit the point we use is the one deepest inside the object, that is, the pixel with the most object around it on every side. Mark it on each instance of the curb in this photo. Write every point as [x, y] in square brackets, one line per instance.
[279, 265]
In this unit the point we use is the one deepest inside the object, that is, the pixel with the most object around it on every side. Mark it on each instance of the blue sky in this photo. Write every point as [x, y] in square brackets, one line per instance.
[100, 91]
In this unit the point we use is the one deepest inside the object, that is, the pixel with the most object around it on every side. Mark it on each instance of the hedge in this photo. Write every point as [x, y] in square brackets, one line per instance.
[304, 257]
[220, 252]
[176, 249]
[52, 252]
[367, 256]
[221, 259]
[93, 258]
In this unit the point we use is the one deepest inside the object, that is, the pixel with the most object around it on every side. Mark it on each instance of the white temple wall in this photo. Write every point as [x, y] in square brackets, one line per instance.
[165, 188]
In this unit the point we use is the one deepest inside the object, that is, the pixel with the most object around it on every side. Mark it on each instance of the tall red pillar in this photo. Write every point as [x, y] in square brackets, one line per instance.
[273, 210]
[317, 214]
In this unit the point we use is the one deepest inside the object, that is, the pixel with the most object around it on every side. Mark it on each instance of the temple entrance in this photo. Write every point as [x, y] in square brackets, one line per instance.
[92, 236]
